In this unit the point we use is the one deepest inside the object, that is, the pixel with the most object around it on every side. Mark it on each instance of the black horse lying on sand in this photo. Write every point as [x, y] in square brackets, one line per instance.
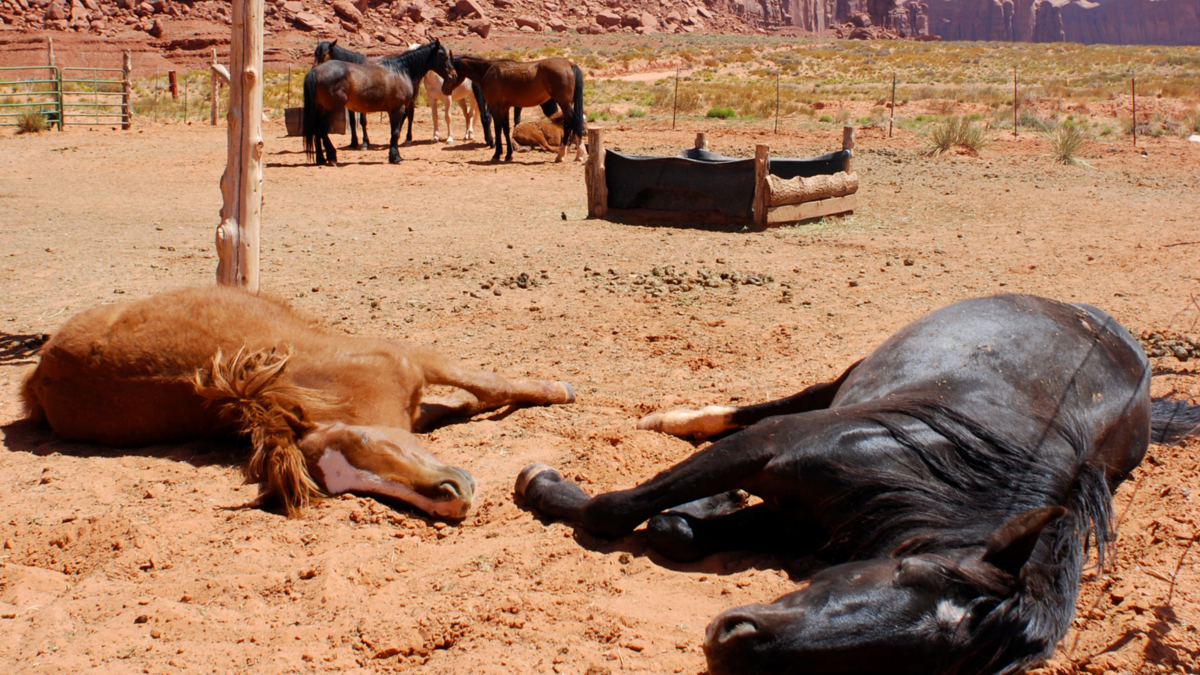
[956, 474]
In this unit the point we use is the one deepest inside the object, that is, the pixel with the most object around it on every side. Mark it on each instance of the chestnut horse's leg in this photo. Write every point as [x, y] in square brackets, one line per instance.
[396, 117]
[730, 463]
[353, 132]
[715, 419]
[567, 116]
[508, 138]
[490, 390]
[499, 119]
[362, 118]
[330, 151]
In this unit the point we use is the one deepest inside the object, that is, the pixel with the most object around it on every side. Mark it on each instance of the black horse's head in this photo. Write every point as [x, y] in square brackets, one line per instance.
[323, 52]
[442, 61]
[953, 612]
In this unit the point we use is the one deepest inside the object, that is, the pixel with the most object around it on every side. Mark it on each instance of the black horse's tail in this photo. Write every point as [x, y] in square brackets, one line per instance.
[485, 116]
[576, 121]
[313, 122]
[1171, 419]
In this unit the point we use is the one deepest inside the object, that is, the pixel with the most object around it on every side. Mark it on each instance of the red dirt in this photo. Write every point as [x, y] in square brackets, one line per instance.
[150, 560]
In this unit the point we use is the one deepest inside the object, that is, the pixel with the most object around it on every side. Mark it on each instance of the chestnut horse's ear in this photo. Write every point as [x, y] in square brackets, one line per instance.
[1009, 547]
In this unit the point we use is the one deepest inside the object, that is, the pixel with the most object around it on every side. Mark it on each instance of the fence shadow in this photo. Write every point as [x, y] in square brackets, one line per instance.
[19, 349]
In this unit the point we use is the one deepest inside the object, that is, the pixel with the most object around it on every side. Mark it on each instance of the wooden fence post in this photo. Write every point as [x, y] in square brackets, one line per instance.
[892, 117]
[597, 188]
[847, 144]
[1133, 90]
[241, 184]
[762, 190]
[50, 51]
[701, 141]
[126, 91]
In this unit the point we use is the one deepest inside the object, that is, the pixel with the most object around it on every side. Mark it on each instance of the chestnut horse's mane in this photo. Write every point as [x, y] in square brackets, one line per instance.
[274, 414]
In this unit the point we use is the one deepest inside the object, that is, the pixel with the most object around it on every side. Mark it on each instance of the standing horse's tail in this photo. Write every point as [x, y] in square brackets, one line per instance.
[1172, 419]
[576, 121]
[485, 115]
[312, 122]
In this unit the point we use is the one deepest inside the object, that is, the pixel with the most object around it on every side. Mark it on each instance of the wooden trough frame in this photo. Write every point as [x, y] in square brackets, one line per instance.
[766, 210]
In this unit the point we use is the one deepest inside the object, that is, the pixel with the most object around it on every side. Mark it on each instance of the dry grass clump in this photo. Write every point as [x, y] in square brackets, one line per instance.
[32, 121]
[956, 131]
[1066, 141]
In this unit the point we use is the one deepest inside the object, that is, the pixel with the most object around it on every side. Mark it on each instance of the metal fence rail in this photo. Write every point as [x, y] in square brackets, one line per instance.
[42, 93]
[100, 100]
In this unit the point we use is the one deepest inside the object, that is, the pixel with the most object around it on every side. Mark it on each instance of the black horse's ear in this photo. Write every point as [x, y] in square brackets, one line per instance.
[1010, 546]
[333, 43]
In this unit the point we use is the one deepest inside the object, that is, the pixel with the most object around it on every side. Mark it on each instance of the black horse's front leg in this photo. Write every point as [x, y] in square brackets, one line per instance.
[728, 464]
[508, 139]
[396, 117]
[362, 118]
[499, 121]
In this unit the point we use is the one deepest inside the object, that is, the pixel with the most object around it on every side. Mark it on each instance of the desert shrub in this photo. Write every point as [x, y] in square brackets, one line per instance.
[1027, 118]
[825, 118]
[1065, 142]
[720, 113]
[636, 112]
[842, 116]
[956, 131]
[1191, 121]
[32, 121]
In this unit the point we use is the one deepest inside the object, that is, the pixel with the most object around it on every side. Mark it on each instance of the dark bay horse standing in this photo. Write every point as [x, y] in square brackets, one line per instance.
[388, 86]
[506, 84]
[955, 475]
[330, 51]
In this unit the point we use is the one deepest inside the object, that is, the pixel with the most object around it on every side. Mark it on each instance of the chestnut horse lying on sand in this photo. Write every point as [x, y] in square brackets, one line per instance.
[325, 413]
[546, 134]
[956, 474]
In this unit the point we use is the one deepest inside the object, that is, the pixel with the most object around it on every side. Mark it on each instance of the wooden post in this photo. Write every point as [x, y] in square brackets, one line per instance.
[893, 115]
[1014, 101]
[1133, 90]
[156, 93]
[126, 91]
[173, 85]
[847, 144]
[50, 51]
[675, 101]
[241, 184]
[762, 189]
[777, 101]
[289, 103]
[701, 141]
[185, 96]
[597, 188]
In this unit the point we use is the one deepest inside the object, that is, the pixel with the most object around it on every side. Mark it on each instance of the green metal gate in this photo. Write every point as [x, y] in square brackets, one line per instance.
[24, 88]
[89, 97]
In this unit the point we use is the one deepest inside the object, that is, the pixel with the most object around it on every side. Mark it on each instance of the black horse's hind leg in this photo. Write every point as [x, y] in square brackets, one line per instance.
[354, 132]
[717, 419]
[508, 139]
[396, 117]
[330, 151]
[499, 119]
[362, 119]
[698, 530]
[410, 113]
[728, 464]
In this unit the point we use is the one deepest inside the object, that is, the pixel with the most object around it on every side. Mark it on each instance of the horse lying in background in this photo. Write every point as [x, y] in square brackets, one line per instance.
[544, 134]
[324, 413]
[330, 51]
[507, 84]
[387, 87]
[953, 476]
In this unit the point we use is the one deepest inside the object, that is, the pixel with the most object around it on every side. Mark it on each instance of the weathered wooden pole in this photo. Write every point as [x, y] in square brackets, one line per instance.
[762, 190]
[1133, 90]
[50, 51]
[777, 101]
[241, 184]
[1014, 101]
[893, 115]
[847, 145]
[675, 101]
[701, 141]
[597, 188]
[126, 91]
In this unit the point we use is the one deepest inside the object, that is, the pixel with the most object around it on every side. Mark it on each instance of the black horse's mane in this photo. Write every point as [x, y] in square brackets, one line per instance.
[339, 53]
[952, 495]
[407, 62]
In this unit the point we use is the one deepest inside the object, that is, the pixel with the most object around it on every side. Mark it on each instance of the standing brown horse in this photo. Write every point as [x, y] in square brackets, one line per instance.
[325, 413]
[509, 84]
[388, 86]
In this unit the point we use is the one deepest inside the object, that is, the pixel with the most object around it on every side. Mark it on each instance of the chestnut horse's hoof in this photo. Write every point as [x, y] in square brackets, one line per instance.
[533, 471]
[569, 390]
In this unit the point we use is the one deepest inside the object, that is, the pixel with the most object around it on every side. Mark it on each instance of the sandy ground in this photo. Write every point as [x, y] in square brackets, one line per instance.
[151, 561]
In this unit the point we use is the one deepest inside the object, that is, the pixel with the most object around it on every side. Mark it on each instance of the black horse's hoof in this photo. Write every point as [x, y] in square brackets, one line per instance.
[672, 535]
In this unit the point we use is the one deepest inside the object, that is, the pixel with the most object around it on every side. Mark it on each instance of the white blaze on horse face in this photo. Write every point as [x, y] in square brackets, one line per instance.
[341, 476]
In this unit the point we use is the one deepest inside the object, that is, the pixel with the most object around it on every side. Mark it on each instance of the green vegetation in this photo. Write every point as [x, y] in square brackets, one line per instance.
[32, 121]
[721, 113]
[1066, 142]
[956, 131]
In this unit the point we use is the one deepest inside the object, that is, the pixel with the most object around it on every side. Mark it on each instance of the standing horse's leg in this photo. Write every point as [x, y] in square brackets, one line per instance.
[508, 138]
[715, 419]
[498, 123]
[353, 131]
[330, 151]
[433, 109]
[362, 118]
[396, 117]
[410, 114]
[449, 129]
[469, 117]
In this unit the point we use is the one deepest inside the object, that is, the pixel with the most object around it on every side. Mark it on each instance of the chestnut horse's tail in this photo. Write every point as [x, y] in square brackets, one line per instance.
[313, 124]
[577, 119]
[274, 415]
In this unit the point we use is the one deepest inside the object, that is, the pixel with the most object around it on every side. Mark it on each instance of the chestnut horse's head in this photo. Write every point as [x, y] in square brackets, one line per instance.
[953, 612]
[385, 461]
